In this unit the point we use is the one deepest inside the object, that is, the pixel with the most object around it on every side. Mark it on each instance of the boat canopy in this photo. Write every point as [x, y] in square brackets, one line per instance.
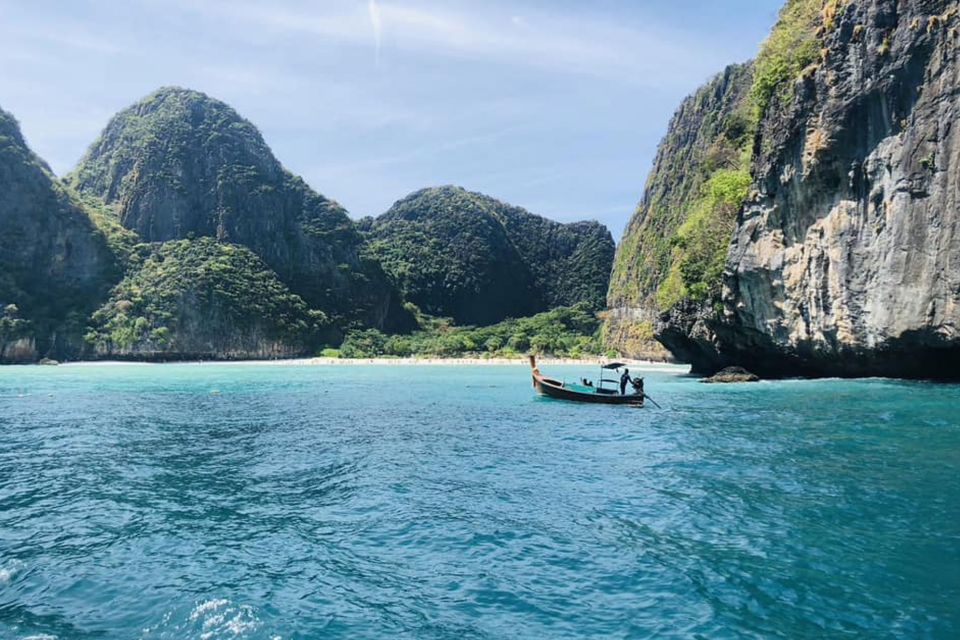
[614, 365]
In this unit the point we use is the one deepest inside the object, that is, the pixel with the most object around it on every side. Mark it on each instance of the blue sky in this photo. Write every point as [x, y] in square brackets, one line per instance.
[554, 106]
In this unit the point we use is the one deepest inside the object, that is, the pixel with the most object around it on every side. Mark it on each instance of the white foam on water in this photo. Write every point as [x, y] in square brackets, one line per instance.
[209, 605]
[8, 572]
[42, 636]
[219, 618]
[244, 620]
[213, 619]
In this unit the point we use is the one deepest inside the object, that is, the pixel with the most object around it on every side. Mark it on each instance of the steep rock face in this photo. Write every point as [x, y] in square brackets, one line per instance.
[464, 255]
[847, 260]
[845, 255]
[203, 299]
[678, 226]
[55, 264]
[179, 164]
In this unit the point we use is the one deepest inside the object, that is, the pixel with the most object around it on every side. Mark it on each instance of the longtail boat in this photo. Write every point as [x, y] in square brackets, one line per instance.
[599, 394]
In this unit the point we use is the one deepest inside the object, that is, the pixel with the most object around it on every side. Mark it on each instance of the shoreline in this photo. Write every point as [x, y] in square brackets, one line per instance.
[380, 362]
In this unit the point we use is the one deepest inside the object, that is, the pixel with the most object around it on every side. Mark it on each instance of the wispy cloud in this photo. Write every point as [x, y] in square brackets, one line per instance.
[547, 41]
[377, 24]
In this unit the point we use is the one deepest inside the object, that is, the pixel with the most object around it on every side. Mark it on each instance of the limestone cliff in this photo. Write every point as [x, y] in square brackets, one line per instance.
[847, 259]
[55, 264]
[179, 164]
[845, 256]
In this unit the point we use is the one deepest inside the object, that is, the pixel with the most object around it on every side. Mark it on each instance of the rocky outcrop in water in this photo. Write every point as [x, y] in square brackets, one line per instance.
[731, 375]
[845, 256]
[179, 164]
[460, 254]
[55, 264]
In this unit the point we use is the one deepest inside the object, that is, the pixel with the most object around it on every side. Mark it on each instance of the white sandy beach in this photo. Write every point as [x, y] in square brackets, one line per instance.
[390, 362]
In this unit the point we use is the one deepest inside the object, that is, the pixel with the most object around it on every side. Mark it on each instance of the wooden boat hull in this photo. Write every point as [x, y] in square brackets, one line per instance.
[555, 389]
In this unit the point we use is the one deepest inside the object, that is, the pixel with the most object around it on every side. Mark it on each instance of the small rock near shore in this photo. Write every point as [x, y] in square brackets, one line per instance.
[731, 374]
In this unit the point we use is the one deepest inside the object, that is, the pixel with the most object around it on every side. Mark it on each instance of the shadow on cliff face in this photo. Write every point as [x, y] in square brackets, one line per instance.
[921, 355]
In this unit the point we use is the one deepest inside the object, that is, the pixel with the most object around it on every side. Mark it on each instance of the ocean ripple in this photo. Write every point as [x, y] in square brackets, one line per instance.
[438, 502]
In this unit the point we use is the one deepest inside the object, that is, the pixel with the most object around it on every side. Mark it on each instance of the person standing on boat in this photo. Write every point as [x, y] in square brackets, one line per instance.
[624, 381]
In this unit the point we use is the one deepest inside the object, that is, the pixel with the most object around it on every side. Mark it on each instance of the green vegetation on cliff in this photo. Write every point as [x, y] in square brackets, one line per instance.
[792, 46]
[700, 243]
[459, 254]
[562, 332]
[203, 298]
[12, 328]
[675, 244]
[121, 240]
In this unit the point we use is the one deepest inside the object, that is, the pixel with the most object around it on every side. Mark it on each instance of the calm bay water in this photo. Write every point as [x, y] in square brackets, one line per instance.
[238, 501]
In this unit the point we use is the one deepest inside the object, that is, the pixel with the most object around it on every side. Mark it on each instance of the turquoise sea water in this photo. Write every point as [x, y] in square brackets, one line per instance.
[238, 501]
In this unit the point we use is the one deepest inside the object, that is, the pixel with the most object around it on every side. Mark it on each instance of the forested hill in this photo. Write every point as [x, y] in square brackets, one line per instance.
[179, 235]
[464, 255]
[179, 164]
